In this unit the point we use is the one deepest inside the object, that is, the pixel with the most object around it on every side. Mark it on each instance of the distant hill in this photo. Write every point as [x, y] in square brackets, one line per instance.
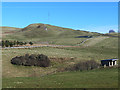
[9, 30]
[44, 30]
[45, 33]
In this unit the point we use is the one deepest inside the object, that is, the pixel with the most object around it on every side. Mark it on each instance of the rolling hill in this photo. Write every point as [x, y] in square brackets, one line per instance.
[39, 33]
[8, 30]
[44, 30]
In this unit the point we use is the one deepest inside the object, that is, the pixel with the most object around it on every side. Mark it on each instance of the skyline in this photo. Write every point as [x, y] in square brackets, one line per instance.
[89, 16]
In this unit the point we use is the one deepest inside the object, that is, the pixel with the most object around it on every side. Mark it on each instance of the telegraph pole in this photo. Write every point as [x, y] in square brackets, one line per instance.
[48, 17]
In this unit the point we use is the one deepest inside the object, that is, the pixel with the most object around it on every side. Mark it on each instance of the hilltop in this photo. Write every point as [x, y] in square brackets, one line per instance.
[39, 29]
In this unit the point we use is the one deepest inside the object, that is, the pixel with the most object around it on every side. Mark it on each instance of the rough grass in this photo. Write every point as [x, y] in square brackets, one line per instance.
[94, 41]
[80, 54]
[54, 34]
[9, 29]
[100, 78]
[97, 49]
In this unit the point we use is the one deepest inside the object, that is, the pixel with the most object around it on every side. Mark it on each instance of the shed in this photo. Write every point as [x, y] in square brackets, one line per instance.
[109, 62]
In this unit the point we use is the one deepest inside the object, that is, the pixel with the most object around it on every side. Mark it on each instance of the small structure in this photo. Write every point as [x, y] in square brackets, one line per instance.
[109, 62]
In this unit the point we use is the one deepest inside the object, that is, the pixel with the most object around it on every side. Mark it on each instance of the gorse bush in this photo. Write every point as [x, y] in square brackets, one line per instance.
[31, 60]
[86, 65]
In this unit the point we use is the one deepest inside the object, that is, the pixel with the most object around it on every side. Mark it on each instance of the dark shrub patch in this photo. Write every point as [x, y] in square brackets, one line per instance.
[31, 60]
[86, 65]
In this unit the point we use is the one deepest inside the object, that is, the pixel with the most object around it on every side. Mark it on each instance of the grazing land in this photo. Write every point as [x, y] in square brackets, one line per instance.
[105, 78]
[97, 48]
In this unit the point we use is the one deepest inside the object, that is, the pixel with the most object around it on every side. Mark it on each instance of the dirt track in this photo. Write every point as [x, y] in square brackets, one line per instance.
[33, 46]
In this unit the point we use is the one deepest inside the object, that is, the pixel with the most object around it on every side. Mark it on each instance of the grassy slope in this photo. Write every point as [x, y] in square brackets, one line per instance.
[8, 29]
[112, 34]
[103, 78]
[97, 52]
[53, 35]
[101, 41]
[92, 79]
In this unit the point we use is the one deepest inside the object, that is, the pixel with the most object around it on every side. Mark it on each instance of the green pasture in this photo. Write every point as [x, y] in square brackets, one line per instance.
[100, 78]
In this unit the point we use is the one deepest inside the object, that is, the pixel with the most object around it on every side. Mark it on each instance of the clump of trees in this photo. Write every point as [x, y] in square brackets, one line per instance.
[8, 43]
[86, 65]
[31, 60]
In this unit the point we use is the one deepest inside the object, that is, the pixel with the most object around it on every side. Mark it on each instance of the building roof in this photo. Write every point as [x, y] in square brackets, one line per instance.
[109, 60]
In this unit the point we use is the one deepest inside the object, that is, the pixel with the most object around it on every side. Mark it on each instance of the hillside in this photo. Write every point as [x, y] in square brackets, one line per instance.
[41, 33]
[8, 30]
[44, 30]
[97, 48]
[112, 34]
[48, 34]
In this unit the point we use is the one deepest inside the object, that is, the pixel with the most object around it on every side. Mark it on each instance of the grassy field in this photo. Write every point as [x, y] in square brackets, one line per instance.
[102, 78]
[80, 54]
[97, 48]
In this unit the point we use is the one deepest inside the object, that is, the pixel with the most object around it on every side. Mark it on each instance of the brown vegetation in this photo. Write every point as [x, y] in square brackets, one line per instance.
[86, 65]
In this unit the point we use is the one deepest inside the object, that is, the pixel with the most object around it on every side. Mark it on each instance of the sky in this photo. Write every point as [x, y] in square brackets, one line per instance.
[89, 16]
